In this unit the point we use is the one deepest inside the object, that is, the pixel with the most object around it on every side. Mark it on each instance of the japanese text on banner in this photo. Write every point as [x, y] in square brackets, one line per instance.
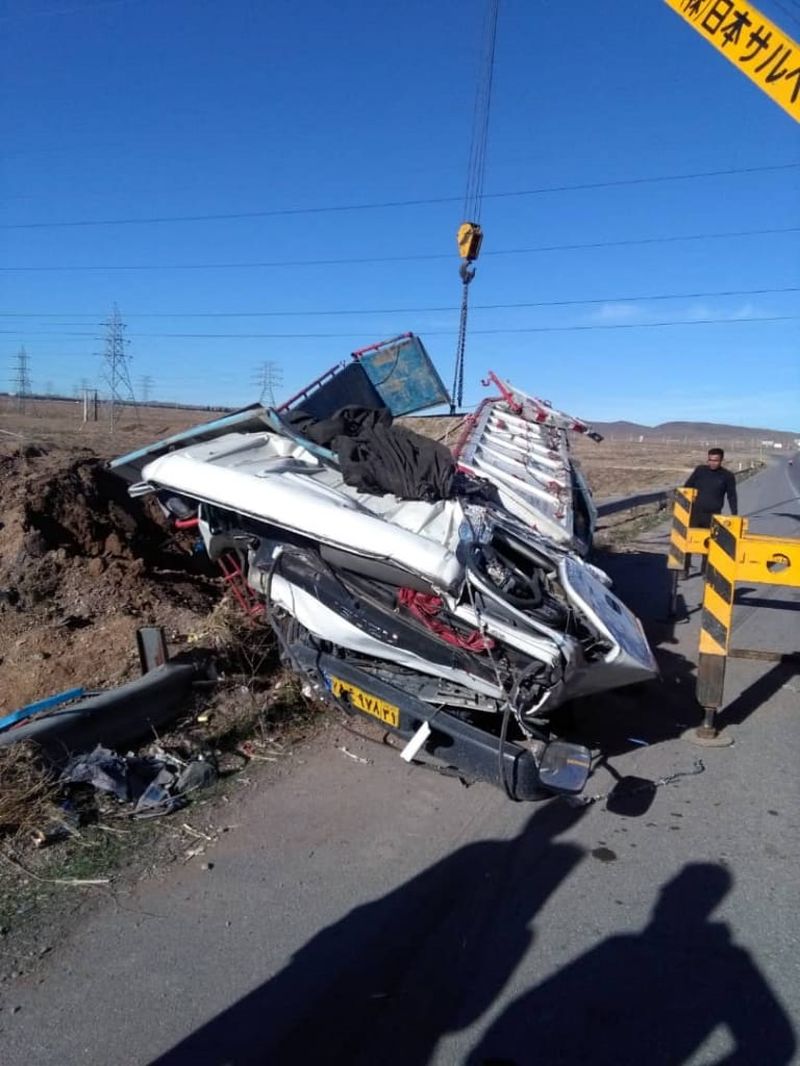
[761, 50]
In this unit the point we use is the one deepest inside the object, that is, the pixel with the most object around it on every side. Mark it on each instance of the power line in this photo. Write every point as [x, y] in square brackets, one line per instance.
[476, 169]
[390, 204]
[80, 9]
[417, 257]
[412, 310]
[636, 325]
[436, 332]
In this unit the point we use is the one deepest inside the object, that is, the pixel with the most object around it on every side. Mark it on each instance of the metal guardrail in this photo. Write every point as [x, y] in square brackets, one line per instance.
[662, 498]
[615, 504]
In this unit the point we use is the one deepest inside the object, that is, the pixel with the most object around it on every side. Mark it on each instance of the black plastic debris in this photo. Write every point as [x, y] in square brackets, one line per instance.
[117, 716]
[154, 784]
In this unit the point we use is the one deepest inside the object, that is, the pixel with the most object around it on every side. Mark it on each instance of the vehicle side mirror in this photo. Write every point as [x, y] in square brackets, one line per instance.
[565, 767]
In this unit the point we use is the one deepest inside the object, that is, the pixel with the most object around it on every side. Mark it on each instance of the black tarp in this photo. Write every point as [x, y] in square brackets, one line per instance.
[379, 457]
[350, 386]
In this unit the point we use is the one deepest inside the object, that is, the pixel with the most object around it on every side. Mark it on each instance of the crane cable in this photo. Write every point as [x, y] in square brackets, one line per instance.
[470, 235]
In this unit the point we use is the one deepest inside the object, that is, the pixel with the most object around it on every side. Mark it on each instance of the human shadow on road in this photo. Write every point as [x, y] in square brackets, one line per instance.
[654, 997]
[389, 979]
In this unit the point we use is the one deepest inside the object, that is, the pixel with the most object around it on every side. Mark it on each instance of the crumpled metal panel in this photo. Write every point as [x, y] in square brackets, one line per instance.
[402, 373]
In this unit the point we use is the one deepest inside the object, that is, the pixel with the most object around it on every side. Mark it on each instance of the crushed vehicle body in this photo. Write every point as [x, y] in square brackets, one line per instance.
[440, 612]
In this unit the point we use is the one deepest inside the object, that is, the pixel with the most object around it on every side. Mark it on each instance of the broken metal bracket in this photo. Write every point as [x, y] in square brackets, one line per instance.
[151, 642]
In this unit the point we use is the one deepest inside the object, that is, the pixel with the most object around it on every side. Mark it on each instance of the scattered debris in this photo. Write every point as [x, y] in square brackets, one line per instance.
[40, 705]
[52, 833]
[196, 833]
[247, 749]
[155, 784]
[640, 786]
[355, 758]
[54, 880]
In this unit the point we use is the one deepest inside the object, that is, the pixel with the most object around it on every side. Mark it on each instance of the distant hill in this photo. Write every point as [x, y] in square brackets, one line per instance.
[447, 429]
[711, 432]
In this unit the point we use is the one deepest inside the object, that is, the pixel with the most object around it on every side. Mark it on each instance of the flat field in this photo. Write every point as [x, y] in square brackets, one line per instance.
[613, 467]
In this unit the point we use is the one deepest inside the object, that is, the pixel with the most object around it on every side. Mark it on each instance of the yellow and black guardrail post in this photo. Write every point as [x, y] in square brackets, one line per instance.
[685, 541]
[681, 514]
[735, 555]
[717, 618]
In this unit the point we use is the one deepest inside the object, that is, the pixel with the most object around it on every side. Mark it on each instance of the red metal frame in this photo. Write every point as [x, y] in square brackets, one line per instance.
[541, 415]
[381, 344]
[243, 594]
[470, 422]
[505, 393]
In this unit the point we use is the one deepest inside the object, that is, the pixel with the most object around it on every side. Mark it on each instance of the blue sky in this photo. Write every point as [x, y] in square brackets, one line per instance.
[143, 109]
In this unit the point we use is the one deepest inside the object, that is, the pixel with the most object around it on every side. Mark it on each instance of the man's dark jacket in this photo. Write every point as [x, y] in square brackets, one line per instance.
[712, 488]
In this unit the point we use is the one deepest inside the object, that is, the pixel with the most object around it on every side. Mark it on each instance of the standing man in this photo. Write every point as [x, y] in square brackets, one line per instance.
[713, 483]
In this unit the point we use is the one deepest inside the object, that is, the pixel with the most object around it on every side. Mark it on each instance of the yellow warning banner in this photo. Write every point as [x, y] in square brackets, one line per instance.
[761, 50]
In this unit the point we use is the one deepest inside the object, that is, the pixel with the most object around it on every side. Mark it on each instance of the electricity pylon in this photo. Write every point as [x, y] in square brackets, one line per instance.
[22, 378]
[268, 377]
[115, 365]
[145, 388]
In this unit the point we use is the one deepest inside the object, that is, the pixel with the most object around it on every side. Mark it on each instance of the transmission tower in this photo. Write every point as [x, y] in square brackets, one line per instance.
[268, 377]
[22, 378]
[145, 388]
[115, 365]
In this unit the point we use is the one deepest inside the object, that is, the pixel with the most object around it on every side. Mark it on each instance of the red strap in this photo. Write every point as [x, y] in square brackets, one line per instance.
[425, 609]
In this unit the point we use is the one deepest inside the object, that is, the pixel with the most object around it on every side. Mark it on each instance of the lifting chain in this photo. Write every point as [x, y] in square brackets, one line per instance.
[467, 274]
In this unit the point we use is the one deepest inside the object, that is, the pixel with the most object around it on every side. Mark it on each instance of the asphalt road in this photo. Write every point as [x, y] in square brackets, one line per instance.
[371, 912]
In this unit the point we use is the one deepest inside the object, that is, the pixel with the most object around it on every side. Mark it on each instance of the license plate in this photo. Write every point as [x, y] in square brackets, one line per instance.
[362, 701]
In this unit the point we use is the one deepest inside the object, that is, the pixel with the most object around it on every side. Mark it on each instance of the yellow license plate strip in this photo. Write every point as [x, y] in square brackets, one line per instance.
[362, 701]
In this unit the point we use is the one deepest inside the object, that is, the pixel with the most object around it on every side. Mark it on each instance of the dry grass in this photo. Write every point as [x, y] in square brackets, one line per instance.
[256, 696]
[615, 467]
[26, 791]
[57, 423]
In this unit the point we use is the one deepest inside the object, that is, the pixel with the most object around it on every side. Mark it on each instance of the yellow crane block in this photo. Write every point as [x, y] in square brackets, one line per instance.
[469, 239]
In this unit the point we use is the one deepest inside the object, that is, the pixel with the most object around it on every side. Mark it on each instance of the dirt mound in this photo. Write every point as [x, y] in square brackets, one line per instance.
[81, 565]
[85, 509]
